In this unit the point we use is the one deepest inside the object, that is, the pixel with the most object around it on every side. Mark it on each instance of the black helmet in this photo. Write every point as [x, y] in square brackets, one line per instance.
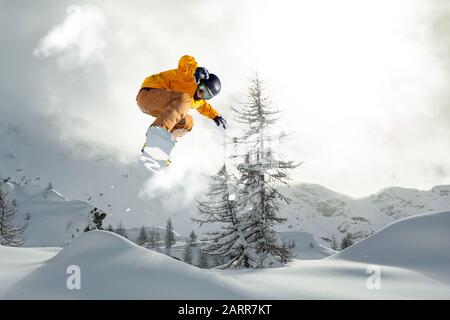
[212, 83]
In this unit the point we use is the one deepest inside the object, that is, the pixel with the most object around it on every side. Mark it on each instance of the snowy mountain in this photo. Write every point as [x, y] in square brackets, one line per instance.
[51, 219]
[111, 267]
[325, 213]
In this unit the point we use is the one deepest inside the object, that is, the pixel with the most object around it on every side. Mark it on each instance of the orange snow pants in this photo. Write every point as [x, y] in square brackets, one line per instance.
[170, 108]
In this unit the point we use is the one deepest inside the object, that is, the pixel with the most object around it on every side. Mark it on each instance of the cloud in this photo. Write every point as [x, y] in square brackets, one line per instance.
[79, 40]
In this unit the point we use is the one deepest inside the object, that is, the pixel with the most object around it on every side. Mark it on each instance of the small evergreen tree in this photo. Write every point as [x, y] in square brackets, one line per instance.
[110, 228]
[187, 253]
[157, 240]
[143, 237]
[151, 239]
[169, 239]
[10, 234]
[192, 238]
[203, 260]
[347, 241]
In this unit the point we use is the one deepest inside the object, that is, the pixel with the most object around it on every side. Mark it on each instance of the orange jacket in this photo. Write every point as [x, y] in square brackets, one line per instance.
[181, 80]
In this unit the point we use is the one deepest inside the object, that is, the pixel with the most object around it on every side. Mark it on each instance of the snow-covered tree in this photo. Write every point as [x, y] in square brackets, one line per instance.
[142, 239]
[217, 261]
[246, 208]
[11, 234]
[187, 253]
[169, 239]
[260, 174]
[222, 208]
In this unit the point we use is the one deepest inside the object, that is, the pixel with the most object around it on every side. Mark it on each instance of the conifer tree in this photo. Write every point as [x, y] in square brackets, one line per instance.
[187, 253]
[142, 238]
[11, 234]
[260, 174]
[169, 239]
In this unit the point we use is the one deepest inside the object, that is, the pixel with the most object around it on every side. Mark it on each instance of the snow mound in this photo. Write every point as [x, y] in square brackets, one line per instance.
[94, 243]
[112, 267]
[421, 241]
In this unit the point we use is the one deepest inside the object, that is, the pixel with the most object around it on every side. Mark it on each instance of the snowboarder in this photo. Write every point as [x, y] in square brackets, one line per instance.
[168, 96]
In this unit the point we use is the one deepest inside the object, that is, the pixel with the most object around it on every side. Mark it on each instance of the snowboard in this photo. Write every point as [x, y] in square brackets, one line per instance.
[155, 154]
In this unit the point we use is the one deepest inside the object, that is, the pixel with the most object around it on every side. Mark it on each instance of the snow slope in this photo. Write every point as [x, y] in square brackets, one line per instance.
[115, 268]
[17, 263]
[51, 219]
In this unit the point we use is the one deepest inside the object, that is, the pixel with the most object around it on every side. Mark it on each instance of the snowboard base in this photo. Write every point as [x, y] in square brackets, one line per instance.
[157, 148]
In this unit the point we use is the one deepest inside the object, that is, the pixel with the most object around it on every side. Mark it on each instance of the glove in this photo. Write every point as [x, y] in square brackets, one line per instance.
[200, 73]
[220, 121]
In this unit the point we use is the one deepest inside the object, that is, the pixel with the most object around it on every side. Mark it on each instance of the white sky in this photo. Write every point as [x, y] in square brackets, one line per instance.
[363, 84]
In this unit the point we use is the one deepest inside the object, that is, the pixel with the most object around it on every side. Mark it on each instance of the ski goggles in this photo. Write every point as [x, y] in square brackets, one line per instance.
[204, 91]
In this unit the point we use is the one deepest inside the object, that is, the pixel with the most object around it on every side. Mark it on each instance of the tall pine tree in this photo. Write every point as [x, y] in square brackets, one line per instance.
[260, 174]
[169, 239]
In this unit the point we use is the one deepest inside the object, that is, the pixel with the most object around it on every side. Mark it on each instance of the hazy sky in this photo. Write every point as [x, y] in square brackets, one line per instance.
[364, 85]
